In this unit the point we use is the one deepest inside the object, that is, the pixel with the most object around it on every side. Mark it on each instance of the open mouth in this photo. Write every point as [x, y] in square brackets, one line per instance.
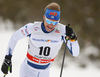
[49, 28]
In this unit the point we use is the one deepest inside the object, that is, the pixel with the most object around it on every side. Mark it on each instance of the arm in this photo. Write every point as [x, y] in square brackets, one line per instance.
[72, 42]
[25, 31]
[73, 47]
[19, 34]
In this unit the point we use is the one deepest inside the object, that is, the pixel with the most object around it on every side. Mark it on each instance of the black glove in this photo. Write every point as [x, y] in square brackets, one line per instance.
[70, 33]
[7, 65]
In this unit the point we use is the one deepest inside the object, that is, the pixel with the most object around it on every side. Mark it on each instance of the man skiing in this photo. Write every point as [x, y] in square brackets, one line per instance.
[45, 40]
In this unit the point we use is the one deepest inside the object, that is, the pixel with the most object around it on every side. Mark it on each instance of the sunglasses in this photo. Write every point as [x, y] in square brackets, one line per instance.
[51, 22]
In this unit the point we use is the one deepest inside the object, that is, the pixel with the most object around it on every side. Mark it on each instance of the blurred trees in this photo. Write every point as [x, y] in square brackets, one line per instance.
[83, 15]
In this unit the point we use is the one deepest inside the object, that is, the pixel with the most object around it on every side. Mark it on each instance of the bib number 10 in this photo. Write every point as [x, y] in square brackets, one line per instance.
[44, 51]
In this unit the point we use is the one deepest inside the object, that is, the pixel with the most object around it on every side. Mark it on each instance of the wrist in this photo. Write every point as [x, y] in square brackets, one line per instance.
[72, 40]
[8, 57]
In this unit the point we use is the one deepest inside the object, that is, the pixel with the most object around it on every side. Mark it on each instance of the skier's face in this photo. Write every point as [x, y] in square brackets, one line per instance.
[49, 24]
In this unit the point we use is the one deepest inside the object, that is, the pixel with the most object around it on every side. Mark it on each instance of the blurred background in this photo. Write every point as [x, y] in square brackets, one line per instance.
[83, 15]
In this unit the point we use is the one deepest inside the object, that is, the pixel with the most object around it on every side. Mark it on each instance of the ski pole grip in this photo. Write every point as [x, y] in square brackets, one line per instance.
[69, 25]
[68, 36]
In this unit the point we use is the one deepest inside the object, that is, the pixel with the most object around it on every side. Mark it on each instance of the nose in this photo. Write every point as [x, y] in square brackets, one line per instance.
[51, 25]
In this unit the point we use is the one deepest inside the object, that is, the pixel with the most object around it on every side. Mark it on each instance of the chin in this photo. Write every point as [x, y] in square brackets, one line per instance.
[49, 30]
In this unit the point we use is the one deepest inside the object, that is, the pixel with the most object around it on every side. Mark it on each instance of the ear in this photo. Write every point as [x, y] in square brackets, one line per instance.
[43, 17]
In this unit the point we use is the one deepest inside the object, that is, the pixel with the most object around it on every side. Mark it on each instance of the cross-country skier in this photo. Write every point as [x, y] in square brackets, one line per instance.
[45, 40]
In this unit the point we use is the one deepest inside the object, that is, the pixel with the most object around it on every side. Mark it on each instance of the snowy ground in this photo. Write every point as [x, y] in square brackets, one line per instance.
[72, 70]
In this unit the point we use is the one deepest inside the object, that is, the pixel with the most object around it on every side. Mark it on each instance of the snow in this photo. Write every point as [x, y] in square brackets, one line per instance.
[72, 69]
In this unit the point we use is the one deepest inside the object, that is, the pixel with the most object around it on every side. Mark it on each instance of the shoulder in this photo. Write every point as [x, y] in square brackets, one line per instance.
[29, 27]
[29, 24]
[61, 27]
[60, 24]
[37, 22]
[32, 24]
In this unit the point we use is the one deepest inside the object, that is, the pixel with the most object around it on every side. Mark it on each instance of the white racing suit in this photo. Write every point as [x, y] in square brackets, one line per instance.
[42, 48]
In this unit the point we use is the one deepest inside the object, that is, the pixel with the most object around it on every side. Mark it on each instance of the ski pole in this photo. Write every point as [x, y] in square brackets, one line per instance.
[6, 74]
[64, 54]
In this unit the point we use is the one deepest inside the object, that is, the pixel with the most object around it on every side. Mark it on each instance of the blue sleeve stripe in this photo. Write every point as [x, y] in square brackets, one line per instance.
[10, 51]
[62, 38]
[70, 48]
[26, 26]
[29, 35]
